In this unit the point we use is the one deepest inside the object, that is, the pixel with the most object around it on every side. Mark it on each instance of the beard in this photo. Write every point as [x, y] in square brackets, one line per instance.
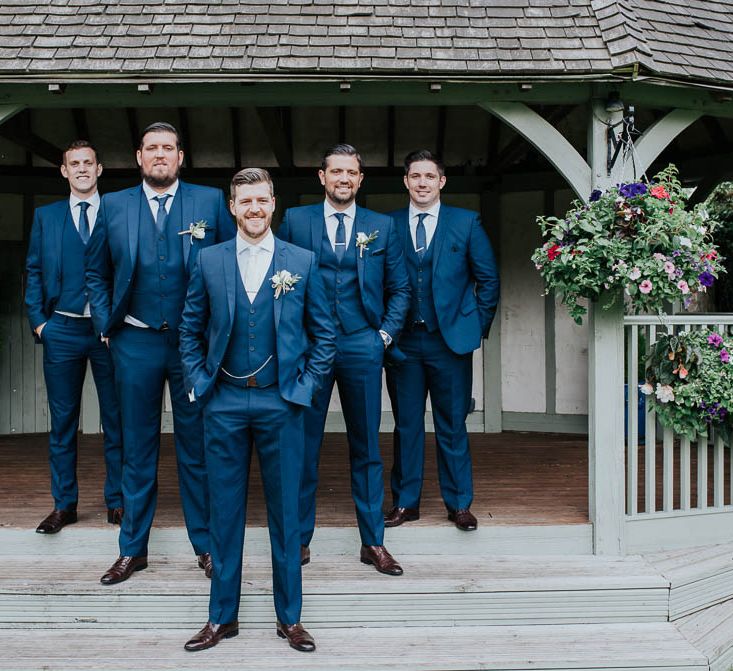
[160, 182]
[254, 235]
[341, 200]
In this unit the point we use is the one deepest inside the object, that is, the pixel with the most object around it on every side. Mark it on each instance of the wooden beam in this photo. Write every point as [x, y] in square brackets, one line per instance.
[342, 124]
[663, 131]
[492, 148]
[134, 129]
[280, 140]
[440, 139]
[236, 138]
[185, 137]
[80, 123]
[17, 130]
[7, 112]
[390, 135]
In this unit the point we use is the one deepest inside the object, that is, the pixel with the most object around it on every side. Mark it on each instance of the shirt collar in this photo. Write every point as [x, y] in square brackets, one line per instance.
[432, 211]
[151, 193]
[267, 243]
[93, 200]
[330, 210]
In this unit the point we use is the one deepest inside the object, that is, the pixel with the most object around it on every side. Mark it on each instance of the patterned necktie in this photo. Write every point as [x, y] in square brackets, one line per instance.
[250, 271]
[420, 237]
[83, 222]
[162, 215]
[340, 236]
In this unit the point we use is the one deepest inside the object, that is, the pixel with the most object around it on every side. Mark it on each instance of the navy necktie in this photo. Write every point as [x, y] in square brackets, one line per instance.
[162, 215]
[340, 236]
[83, 222]
[420, 237]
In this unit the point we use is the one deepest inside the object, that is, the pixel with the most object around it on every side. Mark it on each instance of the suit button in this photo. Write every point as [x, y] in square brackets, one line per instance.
[162, 277]
[251, 311]
[252, 324]
[251, 336]
[338, 302]
[162, 258]
[419, 280]
[161, 238]
[251, 349]
[338, 281]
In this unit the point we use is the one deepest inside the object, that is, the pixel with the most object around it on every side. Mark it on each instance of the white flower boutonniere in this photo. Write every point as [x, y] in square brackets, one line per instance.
[196, 230]
[283, 281]
[363, 240]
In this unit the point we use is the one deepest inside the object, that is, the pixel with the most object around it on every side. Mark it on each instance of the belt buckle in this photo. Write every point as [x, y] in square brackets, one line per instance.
[252, 381]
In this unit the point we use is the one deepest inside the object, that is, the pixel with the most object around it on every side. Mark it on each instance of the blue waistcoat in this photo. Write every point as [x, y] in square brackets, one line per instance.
[160, 281]
[342, 285]
[73, 294]
[253, 337]
[422, 306]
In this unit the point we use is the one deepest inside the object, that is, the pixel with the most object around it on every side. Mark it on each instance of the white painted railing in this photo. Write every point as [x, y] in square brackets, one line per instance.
[675, 477]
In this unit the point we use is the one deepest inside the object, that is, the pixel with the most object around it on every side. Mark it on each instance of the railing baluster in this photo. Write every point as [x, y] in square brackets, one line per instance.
[668, 470]
[632, 431]
[718, 471]
[685, 473]
[702, 472]
[650, 443]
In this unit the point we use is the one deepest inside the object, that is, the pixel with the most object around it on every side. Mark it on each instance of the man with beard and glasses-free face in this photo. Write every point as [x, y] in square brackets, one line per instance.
[138, 260]
[455, 288]
[58, 311]
[361, 263]
[256, 342]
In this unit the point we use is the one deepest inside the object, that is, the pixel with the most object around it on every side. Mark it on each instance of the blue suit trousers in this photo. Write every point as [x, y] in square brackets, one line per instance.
[144, 360]
[235, 420]
[68, 343]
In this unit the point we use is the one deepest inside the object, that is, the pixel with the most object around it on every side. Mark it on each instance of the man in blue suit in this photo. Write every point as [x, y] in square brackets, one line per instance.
[455, 288]
[138, 260]
[58, 311]
[360, 260]
[257, 341]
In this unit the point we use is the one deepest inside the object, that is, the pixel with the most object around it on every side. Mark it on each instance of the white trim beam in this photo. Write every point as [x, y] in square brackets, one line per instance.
[663, 131]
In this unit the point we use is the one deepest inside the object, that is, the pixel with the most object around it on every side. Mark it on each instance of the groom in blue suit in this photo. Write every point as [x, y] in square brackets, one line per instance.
[455, 288]
[58, 311]
[138, 260]
[360, 260]
[257, 341]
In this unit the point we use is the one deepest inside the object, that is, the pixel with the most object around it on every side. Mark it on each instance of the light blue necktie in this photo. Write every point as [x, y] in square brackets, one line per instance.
[162, 215]
[421, 241]
[340, 236]
[83, 222]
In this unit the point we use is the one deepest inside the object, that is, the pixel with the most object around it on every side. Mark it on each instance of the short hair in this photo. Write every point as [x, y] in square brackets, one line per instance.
[80, 144]
[250, 176]
[424, 155]
[161, 127]
[340, 150]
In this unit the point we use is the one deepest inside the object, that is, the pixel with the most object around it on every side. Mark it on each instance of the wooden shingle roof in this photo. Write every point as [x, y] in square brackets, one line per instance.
[681, 39]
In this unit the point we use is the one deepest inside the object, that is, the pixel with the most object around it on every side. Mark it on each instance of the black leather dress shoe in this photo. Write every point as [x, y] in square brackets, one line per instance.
[398, 516]
[463, 519]
[122, 569]
[56, 521]
[305, 555]
[206, 563]
[378, 556]
[298, 638]
[114, 515]
[211, 634]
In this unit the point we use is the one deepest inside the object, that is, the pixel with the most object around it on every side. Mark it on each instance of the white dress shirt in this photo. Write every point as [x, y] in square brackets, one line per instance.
[430, 222]
[151, 194]
[253, 266]
[92, 211]
[329, 214]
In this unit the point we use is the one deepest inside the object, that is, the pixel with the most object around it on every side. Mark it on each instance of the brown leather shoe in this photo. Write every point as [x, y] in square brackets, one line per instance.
[114, 515]
[298, 638]
[305, 555]
[463, 519]
[211, 634]
[378, 556]
[398, 516]
[56, 521]
[122, 569]
[206, 563]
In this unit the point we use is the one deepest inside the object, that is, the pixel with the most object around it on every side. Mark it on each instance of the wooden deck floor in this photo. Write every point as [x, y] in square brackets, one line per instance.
[519, 479]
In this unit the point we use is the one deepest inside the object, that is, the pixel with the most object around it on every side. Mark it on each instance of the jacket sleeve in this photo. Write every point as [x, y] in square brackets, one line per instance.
[99, 271]
[396, 286]
[485, 272]
[226, 228]
[34, 275]
[320, 328]
[283, 231]
[192, 331]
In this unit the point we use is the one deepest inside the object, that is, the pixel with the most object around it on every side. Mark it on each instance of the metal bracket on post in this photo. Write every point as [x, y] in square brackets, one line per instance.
[624, 139]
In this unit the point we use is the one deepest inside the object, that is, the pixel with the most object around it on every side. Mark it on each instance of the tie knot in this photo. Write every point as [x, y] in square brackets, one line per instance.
[421, 217]
[162, 200]
[83, 206]
[340, 216]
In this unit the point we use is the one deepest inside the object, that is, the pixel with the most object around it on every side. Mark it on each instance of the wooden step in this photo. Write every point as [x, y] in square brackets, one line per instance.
[711, 631]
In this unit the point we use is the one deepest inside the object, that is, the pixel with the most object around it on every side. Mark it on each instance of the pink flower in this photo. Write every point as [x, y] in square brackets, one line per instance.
[683, 287]
[659, 192]
[634, 274]
[724, 356]
[669, 267]
[645, 287]
[715, 340]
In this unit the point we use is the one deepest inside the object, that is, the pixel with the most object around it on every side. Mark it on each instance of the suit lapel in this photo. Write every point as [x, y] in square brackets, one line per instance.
[134, 209]
[280, 263]
[186, 218]
[231, 276]
[58, 237]
[439, 236]
[318, 223]
[360, 226]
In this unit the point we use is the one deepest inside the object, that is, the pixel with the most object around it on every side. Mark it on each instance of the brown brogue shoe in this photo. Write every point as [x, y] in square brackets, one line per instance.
[211, 634]
[56, 521]
[463, 519]
[122, 569]
[206, 563]
[398, 516]
[305, 555]
[378, 556]
[114, 515]
[298, 637]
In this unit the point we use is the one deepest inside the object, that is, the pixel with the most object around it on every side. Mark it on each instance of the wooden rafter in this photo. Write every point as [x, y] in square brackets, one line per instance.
[185, 136]
[134, 129]
[80, 123]
[18, 131]
[276, 124]
[236, 138]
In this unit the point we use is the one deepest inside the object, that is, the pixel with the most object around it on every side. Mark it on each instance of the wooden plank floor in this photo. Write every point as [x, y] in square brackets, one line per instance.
[519, 478]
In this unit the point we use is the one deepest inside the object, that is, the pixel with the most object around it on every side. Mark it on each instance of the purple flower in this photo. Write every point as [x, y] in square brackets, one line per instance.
[706, 279]
[715, 340]
[595, 195]
[724, 356]
[632, 190]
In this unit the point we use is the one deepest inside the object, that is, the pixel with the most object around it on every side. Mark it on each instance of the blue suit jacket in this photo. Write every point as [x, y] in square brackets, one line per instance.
[465, 276]
[383, 281]
[44, 261]
[111, 254]
[306, 337]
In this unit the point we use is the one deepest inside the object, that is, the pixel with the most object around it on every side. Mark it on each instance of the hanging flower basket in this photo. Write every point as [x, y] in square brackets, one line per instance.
[635, 237]
[689, 382]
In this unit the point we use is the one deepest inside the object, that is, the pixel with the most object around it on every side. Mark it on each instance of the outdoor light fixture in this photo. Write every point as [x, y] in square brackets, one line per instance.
[526, 86]
[145, 88]
[57, 89]
[436, 87]
[614, 103]
[345, 86]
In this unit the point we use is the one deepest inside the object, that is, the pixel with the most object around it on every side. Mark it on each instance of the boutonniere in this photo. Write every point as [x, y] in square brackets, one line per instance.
[196, 230]
[363, 240]
[283, 281]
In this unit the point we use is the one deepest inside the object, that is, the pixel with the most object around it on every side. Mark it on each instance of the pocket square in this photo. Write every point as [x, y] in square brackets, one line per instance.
[378, 252]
